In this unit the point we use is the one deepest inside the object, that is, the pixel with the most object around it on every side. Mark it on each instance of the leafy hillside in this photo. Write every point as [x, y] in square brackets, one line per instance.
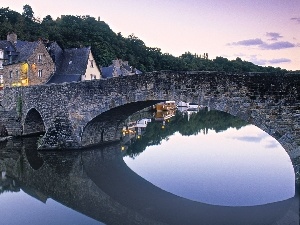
[75, 31]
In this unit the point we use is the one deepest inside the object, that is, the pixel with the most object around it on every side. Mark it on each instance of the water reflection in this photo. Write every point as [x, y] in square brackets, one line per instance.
[237, 170]
[99, 186]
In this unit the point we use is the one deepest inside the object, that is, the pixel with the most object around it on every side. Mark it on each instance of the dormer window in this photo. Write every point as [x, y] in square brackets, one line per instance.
[40, 57]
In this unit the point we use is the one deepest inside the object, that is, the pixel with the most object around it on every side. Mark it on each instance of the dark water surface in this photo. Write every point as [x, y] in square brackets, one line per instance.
[205, 168]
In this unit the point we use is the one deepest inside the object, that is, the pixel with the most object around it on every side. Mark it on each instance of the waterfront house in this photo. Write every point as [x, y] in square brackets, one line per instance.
[74, 64]
[24, 63]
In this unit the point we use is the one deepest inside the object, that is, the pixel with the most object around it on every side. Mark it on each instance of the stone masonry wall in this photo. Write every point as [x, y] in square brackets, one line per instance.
[268, 101]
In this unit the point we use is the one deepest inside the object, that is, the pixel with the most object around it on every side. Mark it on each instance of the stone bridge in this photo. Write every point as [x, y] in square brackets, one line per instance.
[75, 115]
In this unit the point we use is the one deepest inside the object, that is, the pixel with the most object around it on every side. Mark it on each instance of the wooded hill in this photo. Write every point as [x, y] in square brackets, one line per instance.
[74, 31]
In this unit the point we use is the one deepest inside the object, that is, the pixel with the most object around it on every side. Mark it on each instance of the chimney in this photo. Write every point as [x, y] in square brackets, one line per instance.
[12, 38]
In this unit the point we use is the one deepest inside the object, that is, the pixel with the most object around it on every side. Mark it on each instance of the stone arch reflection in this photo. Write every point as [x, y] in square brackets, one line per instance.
[99, 184]
[32, 155]
[33, 123]
[107, 126]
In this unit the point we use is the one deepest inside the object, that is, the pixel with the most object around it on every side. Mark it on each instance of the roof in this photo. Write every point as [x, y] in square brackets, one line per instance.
[72, 61]
[55, 52]
[107, 72]
[25, 49]
[19, 52]
[59, 78]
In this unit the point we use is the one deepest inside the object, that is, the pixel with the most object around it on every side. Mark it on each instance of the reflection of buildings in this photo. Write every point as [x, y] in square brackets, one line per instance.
[164, 106]
[188, 111]
[164, 115]
[7, 184]
[134, 130]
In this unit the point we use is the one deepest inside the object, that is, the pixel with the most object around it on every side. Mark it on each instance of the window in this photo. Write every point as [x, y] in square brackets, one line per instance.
[40, 73]
[93, 77]
[40, 56]
[10, 74]
[17, 74]
[92, 63]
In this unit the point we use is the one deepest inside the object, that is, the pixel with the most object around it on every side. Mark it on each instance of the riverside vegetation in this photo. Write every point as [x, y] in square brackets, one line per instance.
[74, 31]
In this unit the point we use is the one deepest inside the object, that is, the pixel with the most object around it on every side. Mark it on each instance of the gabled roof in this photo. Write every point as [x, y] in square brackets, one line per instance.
[59, 78]
[21, 51]
[25, 49]
[4, 44]
[73, 61]
[55, 52]
[70, 64]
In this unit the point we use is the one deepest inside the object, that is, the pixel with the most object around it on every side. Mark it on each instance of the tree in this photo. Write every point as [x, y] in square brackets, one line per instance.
[48, 18]
[28, 12]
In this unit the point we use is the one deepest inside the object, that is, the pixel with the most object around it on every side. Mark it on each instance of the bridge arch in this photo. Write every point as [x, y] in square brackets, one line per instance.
[106, 127]
[33, 122]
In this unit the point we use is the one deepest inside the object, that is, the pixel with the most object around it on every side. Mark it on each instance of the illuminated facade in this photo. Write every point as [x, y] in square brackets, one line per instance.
[24, 63]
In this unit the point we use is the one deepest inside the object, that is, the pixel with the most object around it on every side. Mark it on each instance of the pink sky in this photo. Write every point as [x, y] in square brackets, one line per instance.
[266, 32]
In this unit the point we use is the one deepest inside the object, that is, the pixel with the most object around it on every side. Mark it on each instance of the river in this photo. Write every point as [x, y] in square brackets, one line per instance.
[205, 167]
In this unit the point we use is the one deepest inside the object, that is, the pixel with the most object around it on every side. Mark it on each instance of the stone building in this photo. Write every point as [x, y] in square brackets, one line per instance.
[119, 68]
[24, 63]
[74, 64]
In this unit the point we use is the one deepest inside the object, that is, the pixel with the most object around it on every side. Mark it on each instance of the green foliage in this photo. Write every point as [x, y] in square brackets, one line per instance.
[28, 12]
[75, 31]
[19, 106]
[201, 121]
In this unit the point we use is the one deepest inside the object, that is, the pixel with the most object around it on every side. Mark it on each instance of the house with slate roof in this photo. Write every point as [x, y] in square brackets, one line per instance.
[75, 64]
[24, 63]
[118, 68]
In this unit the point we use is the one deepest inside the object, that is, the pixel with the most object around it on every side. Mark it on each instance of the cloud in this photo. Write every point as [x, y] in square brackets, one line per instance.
[277, 45]
[249, 139]
[272, 144]
[273, 36]
[281, 60]
[249, 42]
[297, 19]
[262, 62]
[264, 45]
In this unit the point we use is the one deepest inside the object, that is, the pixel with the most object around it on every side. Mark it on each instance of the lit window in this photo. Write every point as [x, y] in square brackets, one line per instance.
[40, 73]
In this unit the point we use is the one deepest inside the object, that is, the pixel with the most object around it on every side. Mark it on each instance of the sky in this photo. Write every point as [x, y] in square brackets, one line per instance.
[265, 32]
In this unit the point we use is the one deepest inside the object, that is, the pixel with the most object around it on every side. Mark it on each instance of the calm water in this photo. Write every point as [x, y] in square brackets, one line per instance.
[205, 168]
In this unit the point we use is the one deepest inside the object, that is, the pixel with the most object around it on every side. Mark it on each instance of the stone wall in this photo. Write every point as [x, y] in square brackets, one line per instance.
[46, 65]
[268, 101]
